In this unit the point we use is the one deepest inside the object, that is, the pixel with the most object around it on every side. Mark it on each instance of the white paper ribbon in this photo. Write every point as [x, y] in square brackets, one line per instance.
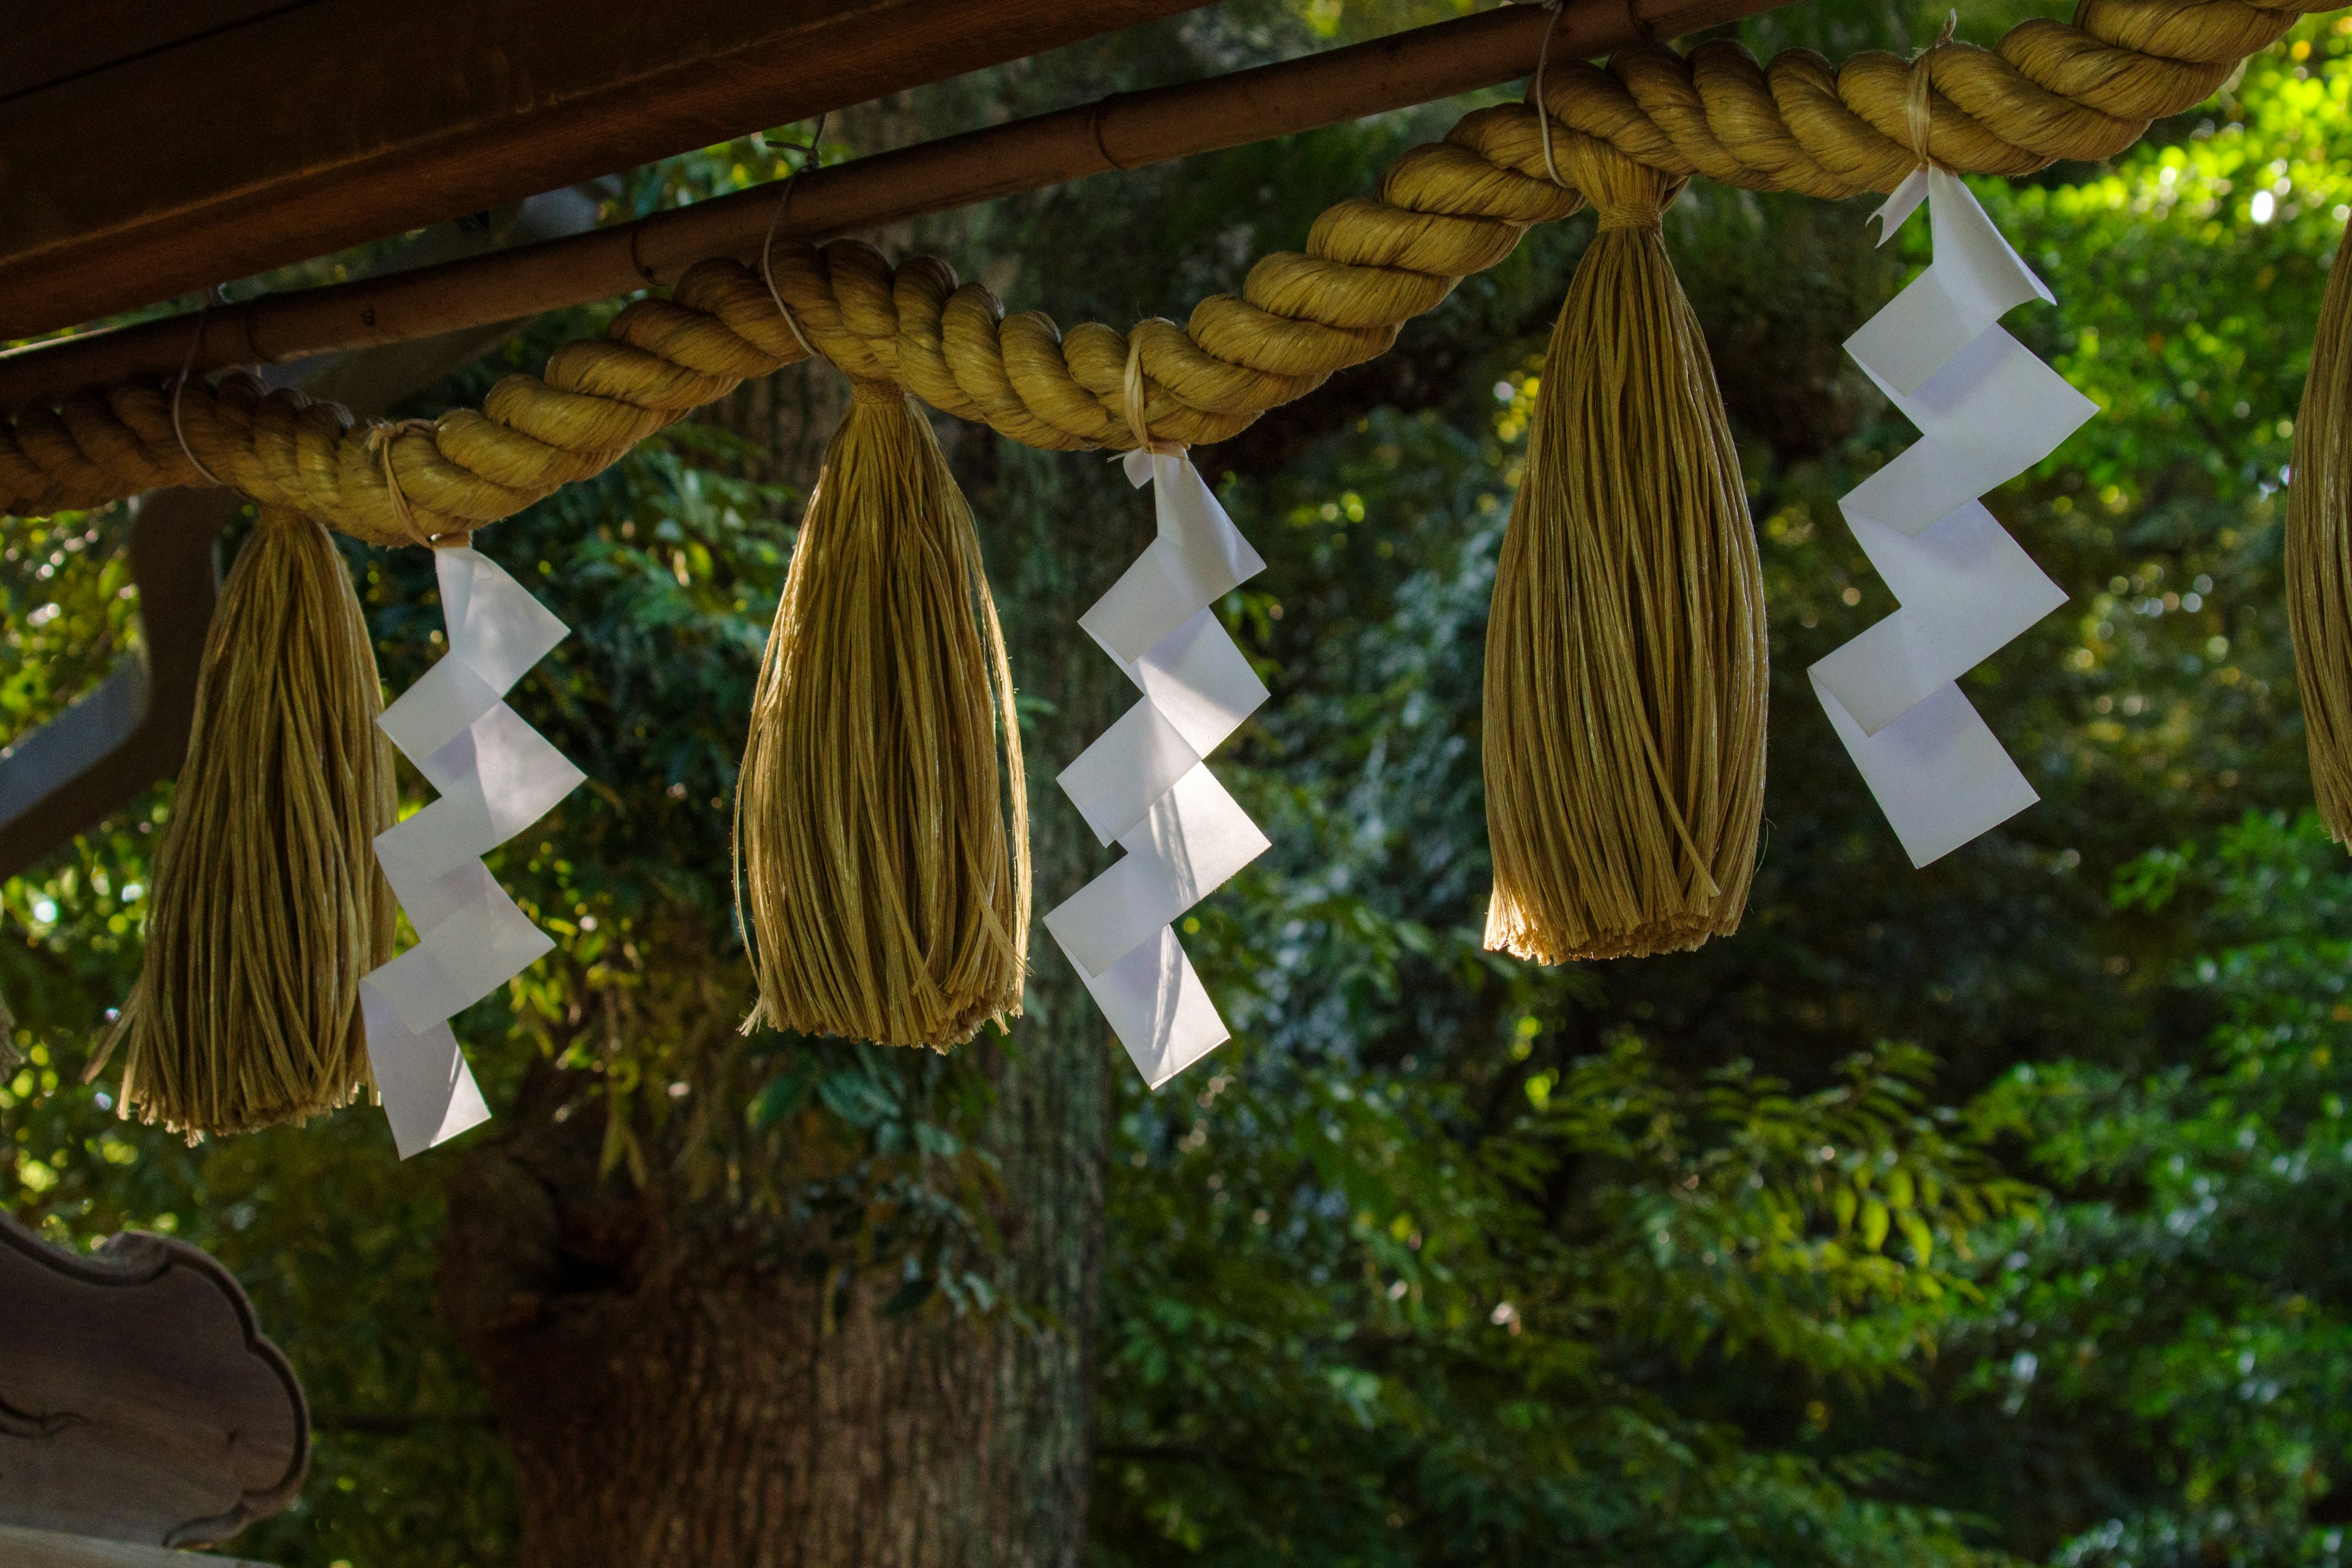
[1143, 784]
[1987, 411]
[496, 776]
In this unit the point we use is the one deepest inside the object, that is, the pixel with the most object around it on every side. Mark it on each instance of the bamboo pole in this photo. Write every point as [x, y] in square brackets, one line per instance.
[1125, 130]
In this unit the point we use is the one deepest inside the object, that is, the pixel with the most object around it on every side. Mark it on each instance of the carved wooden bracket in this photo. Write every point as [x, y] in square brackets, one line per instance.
[139, 1401]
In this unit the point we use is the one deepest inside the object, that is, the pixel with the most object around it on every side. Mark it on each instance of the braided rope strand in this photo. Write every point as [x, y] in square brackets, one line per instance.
[1442, 211]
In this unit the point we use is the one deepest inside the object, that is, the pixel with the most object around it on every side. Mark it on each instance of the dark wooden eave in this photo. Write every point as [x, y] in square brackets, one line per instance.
[148, 150]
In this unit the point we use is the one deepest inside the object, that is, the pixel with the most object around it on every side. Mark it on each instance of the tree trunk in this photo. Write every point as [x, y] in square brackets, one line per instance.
[674, 1399]
[665, 1406]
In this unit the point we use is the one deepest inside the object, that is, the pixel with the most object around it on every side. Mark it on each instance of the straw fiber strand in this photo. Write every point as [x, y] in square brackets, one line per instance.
[2319, 555]
[882, 840]
[1625, 651]
[268, 905]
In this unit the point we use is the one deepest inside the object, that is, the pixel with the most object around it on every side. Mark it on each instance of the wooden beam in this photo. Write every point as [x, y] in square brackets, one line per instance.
[1122, 131]
[147, 166]
[51, 44]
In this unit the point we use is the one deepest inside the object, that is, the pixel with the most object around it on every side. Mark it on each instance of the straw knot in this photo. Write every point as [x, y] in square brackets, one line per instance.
[1536, 90]
[875, 394]
[1132, 400]
[381, 441]
[1623, 193]
[1633, 217]
[180, 387]
[1918, 107]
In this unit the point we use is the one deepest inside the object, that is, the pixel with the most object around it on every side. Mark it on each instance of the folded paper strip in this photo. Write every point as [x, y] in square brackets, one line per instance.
[1987, 411]
[497, 775]
[1143, 784]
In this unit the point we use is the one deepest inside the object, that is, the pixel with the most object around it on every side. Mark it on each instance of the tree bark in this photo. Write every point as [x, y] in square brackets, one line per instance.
[670, 1407]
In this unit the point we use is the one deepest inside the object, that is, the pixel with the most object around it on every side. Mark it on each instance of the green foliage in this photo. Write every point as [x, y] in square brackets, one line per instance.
[1360, 1332]
[2188, 1296]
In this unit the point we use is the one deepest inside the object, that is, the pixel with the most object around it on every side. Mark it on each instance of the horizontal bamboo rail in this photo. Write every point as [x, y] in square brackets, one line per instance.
[1124, 130]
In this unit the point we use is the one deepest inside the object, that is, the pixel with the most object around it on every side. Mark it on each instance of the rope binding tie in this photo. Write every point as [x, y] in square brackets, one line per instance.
[812, 154]
[1131, 405]
[180, 384]
[1543, 115]
[1917, 106]
[381, 439]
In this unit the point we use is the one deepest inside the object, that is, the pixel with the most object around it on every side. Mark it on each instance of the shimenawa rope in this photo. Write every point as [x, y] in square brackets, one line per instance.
[2048, 90]
[839, 818]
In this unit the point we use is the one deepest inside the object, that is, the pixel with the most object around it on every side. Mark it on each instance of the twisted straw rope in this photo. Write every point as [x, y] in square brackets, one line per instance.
[2049, 90]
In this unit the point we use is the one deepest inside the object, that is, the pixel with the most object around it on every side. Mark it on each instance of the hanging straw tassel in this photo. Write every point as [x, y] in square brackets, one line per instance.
[269, 904]
[881, 893]
[2319, 555]
[1625, 654]
[10, 1057]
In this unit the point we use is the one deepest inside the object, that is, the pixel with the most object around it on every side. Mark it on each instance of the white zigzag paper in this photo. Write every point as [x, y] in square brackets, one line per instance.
[1987, 411]
[497, 775]
[1144, 786]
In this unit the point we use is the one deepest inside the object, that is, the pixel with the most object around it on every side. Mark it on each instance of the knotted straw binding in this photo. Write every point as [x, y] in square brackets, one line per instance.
[1918, 113]
[768, 244]
[1625, 651]
[180, 385]
[380, 440]
[1134, 404]
[881, 836]
[1552, 9]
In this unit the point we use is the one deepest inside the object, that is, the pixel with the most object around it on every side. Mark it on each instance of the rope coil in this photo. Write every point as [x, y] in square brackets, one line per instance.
[2048, 90]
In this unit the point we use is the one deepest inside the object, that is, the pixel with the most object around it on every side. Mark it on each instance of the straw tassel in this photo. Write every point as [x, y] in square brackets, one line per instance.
[267, 903]
[2319, 556]
[1625, 653]
[882, 853]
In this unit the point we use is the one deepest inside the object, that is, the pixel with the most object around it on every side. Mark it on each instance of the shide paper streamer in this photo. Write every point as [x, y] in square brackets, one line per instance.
[1143, 785]
[496, 776]
[1987, 411]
